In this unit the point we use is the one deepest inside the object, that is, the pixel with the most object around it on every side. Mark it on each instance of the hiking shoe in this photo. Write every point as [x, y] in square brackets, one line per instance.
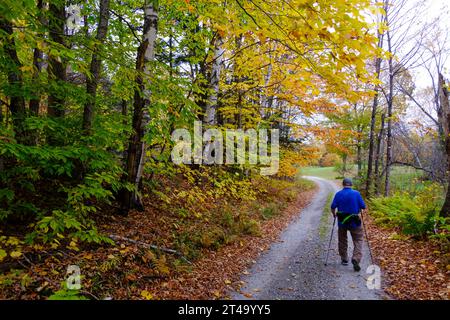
[344, 262]
[356, 266]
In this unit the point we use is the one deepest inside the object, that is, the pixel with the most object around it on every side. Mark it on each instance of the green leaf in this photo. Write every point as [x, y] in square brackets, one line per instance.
[3, 254]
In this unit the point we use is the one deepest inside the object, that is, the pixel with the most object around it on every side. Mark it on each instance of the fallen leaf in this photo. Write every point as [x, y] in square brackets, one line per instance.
[146, 295]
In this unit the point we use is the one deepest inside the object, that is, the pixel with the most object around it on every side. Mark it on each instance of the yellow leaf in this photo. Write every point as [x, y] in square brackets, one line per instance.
[38, 247]
[227, 281]
[40, 45]
[15, 254]
[13, 241]
[161, 265]
[146, 295]
[73, 246]
[26, 68]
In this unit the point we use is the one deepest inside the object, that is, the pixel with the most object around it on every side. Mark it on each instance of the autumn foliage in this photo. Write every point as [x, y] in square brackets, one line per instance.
[89, 98]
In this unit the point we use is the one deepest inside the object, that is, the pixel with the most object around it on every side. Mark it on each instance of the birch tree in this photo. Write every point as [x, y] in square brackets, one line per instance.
[136, 148]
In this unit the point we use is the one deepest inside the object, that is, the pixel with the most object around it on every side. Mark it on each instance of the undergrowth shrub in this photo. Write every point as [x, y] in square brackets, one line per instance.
[270, 211]
[212, 238]
[250, 227]
[56, 188]
[416, 215]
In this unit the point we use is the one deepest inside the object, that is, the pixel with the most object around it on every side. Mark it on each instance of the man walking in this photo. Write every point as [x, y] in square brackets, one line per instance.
[346, 206]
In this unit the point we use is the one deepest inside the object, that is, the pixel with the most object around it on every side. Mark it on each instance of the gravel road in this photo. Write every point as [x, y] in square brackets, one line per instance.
[293, 268]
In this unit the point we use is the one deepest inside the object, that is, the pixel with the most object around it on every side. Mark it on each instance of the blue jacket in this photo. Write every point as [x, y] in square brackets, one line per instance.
[349, 202]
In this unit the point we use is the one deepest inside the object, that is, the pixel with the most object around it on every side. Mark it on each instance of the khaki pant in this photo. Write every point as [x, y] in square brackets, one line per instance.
[357, 237]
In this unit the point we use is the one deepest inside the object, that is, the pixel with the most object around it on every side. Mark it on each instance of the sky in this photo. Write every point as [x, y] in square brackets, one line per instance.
[435, 9]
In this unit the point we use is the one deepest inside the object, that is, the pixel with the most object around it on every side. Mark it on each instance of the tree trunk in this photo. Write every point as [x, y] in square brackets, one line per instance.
[237, 78]
[372, 127]
[95, 69]
[359, 150]
[38, 56]
[17, 101]
[344, 164]
[441, 112]
[37, 63]
[359, 158]
[373, 119]
[136, 148]
[264, 97]
[124, 111]
[56, 65]
[199, 75]
[445, 107]
[378, 155]
[211, 105]
[390, 102]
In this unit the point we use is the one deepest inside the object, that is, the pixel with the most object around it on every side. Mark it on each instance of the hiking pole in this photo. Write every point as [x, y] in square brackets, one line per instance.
[331, 238]
[367, 238]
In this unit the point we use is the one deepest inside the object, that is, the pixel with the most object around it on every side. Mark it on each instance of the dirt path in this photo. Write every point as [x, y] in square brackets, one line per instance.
[293, 268]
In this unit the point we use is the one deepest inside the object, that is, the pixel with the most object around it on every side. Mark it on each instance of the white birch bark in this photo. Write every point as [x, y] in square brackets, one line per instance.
[149, 36]
[211, 106]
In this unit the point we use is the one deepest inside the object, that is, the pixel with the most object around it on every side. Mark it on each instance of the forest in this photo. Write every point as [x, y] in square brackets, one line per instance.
[92, 93]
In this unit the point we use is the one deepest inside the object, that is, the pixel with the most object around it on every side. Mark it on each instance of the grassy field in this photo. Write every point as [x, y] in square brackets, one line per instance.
[406, 179]
[402, 178]
[325, 172]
